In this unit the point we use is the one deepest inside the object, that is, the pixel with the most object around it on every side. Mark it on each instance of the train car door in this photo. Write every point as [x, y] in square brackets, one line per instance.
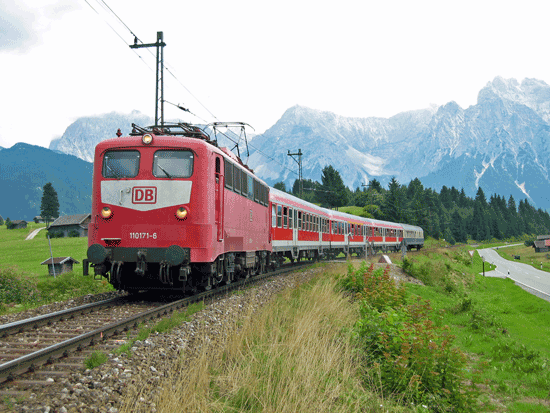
[219, 188]
[295, 228]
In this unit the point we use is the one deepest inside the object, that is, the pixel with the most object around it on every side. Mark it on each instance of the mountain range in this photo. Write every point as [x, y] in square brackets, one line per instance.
[502, 143]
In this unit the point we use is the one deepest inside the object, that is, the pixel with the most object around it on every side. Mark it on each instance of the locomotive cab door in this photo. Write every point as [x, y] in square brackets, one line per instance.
[219, 195]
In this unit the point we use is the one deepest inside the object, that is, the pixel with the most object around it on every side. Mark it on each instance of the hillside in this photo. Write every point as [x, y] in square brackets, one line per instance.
[25, 169]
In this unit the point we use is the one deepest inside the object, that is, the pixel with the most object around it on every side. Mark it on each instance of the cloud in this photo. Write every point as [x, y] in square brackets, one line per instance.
[22, 24]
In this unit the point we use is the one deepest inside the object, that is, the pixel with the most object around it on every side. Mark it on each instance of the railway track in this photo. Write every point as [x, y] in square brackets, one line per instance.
[33, 352]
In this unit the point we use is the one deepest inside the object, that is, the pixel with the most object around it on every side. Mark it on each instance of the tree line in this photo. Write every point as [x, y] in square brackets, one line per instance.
[449, 214]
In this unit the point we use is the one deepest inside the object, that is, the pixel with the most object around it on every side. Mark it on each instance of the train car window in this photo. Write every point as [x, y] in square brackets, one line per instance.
[121, 164]
[279, 216]
[228, 174]
[285, 217]
[299, 219]
[290, 218]
[173, 164]
[218, 166]
[250, 187]
[273, 216]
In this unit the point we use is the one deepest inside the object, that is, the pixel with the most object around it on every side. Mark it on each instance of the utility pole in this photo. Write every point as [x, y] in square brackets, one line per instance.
[160, 75]
[299, 162]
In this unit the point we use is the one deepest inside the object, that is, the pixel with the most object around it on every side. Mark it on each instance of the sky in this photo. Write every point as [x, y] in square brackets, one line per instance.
[249, 61]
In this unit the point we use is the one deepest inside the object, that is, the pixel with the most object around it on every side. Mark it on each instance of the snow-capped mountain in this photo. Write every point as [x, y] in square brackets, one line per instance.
[502, 144]
[82, 136]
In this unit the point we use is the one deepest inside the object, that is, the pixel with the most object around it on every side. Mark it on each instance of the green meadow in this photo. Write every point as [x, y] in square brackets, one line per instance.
[24, 283]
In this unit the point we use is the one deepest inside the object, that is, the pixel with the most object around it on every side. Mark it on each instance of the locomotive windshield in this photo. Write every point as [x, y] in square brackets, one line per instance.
[173, 164]
[121, 164]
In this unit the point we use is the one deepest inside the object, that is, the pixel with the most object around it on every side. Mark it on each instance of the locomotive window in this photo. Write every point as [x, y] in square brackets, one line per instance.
[237, 180]
[250, 187]
[245, 184]
[173, 164]
[121, 164]
[279, 216]
[228, 174]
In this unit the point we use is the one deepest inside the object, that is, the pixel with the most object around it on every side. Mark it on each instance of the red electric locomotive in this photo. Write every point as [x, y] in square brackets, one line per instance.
[171, 210]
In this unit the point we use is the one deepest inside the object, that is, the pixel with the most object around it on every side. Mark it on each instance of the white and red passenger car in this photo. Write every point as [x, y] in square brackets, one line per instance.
[303, 230]
[172, 210]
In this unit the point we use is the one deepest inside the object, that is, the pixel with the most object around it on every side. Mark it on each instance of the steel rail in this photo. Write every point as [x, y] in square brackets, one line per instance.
[46, 319]
[31, 362]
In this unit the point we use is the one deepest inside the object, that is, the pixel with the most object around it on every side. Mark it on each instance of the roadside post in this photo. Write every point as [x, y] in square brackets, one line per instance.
[483, 259]
[51, 255]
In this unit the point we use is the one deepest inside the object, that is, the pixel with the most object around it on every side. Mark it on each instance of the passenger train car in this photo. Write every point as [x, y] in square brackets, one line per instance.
[303, 230]
[173, 211]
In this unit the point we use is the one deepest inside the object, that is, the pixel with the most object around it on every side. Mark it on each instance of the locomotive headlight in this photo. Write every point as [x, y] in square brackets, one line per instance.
[106, 213]
[147, 139]
[181, 213]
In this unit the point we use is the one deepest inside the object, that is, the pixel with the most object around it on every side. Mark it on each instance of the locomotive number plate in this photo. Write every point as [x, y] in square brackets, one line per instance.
[143, 235]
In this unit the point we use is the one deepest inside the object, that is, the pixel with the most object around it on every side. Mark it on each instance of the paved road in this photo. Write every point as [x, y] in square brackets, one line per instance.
[535, 281]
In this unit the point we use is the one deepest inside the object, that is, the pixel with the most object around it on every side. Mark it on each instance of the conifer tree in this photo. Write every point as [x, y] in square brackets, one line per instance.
[333, 191]
[49, 207]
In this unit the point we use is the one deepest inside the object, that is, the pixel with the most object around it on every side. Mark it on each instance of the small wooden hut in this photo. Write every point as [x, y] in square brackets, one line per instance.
[60, 264]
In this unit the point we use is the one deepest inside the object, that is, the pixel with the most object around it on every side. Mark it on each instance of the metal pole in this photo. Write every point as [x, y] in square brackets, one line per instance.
[299, 162]
[160, 75]
[51, 255]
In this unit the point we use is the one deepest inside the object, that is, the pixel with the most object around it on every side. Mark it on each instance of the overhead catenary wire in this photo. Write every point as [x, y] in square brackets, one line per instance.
[104, 5]
[118, 35]
[110, 10]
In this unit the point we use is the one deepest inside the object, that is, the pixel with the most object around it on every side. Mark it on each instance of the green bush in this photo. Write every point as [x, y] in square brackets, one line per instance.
[16, 289]
[414, 358]
[73, 233]
[411, 356]
[59, 234]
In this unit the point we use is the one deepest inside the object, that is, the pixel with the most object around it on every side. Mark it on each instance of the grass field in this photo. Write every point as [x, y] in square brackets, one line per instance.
[22, 276]
[527, 256]
[27, 255]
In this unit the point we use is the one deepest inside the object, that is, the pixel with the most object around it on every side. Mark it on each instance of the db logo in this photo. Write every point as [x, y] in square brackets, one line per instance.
[144, 195]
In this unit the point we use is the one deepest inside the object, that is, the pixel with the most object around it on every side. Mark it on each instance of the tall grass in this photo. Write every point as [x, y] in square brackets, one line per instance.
[292, 356]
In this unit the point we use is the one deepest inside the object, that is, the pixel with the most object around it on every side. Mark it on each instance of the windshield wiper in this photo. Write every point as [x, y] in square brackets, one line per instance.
[162, 169]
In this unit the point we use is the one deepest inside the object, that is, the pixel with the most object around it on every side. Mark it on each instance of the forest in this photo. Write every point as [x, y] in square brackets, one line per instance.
[449, 214]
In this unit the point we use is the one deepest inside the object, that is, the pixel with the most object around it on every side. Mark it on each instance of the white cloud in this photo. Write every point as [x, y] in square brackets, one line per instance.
[250, 61]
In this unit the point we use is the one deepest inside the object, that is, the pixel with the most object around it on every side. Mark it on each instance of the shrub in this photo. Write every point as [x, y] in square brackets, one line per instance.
[16, 289]
[414, 358]
[59, 234]
[73, 233]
